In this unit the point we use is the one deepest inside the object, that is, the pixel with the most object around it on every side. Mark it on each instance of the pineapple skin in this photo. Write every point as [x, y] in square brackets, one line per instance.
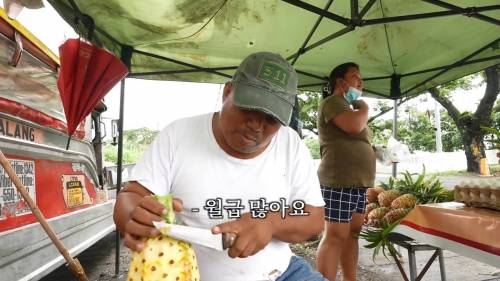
[371, 195]
[385, 198]
[404, 201]
[396, 214]
[166, 259]
[370, 207]
[376, 215]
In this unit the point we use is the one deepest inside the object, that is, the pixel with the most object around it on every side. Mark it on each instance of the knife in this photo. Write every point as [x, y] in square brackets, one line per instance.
[195, 235]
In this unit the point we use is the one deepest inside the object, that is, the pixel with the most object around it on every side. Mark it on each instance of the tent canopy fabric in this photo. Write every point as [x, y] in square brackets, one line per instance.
[402, 46]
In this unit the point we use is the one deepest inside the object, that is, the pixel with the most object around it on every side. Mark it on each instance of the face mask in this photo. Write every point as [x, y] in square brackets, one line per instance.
[352, 95]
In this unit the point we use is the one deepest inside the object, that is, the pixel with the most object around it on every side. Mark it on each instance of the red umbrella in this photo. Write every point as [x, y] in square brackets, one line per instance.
[86, 75]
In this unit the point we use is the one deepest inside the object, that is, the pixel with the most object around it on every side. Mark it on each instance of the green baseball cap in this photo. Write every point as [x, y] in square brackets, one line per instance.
[266, 82]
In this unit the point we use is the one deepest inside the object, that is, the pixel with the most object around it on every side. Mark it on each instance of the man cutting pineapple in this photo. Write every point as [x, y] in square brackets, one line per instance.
[244, 153]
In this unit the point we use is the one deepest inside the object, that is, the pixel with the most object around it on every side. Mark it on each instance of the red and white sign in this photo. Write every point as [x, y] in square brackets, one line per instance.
[11, 202]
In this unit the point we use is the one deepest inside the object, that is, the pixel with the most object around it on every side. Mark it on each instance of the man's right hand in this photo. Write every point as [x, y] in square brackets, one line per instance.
[360, 105]
[135, 211]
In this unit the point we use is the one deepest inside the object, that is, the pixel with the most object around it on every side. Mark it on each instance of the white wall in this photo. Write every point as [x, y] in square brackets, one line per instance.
[435, 162]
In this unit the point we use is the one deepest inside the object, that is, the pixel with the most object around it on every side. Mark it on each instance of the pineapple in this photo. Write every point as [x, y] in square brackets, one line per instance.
[369, 208]
[396, 214]
[371, 195]
[164, 258]
[376, 215]
[385, 198]
[404, 201]
[379, 189]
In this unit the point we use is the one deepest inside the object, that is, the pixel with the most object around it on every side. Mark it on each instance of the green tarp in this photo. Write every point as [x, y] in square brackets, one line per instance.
[403, 46]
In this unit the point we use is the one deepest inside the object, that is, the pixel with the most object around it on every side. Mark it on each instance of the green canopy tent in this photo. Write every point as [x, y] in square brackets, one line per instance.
[404, 47]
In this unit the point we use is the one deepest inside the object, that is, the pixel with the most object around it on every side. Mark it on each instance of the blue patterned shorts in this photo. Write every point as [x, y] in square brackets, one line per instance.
[341, 203]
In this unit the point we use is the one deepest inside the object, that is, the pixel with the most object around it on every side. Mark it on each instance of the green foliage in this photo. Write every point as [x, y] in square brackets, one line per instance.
[313, 145]
[418, 132]
[382, 131]
[450, 135]
[464, 83]
[382, 105]
[309, 103]
[135, 143]
[378, 239]
[495, 115]
[425, 189]
[495, 140]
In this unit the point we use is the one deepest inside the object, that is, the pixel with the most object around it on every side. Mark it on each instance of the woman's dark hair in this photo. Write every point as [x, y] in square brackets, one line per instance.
[338, 72]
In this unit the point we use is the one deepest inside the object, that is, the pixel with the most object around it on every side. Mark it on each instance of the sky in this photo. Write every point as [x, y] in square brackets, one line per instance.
[154, 104]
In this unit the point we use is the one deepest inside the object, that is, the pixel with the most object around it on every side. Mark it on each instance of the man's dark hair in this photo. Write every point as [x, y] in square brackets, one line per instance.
[338, 72]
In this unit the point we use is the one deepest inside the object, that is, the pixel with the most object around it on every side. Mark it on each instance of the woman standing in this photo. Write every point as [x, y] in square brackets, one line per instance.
[347, 169]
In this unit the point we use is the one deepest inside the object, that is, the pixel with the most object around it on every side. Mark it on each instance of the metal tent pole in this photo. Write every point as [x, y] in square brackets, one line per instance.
[119, 169]
[395, 133]
[126, 58]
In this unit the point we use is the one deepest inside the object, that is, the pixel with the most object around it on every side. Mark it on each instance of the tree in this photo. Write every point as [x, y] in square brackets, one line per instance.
[468, 123]
[382, 131]
[313, 145]
[135, 143]
[417, 131]
[450, 135]
[309, 103]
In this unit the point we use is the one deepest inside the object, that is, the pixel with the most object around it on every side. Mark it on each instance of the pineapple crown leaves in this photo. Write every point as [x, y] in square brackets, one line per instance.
[391, 184]
[428, 190]
[378, 239]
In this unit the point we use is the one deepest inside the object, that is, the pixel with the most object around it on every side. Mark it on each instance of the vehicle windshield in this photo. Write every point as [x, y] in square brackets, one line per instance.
[30, 83]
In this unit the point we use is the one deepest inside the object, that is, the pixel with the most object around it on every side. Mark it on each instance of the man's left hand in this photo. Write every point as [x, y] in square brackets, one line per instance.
[253, 234]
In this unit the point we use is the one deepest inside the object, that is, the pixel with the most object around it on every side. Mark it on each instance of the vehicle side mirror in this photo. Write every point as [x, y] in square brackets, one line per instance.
[114, 131]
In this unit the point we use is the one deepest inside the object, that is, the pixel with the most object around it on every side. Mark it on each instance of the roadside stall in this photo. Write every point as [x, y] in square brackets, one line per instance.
[402, 47]
[418, 214]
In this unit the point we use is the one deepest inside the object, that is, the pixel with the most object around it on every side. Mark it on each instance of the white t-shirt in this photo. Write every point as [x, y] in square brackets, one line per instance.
[186, 160]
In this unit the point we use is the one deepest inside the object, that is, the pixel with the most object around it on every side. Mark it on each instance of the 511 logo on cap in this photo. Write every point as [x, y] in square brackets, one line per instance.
[274, 74]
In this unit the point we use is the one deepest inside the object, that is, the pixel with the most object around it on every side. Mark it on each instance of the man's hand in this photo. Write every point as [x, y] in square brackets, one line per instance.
[360, 105]
[135, 211]
[253, 234]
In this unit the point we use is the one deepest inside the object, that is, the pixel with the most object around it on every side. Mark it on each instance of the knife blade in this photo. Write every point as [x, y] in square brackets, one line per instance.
[195, 235]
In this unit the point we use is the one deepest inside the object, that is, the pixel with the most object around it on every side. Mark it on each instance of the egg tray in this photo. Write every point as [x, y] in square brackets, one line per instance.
[479, 193]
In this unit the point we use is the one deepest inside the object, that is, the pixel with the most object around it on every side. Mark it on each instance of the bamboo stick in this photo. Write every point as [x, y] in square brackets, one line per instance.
[74, 265]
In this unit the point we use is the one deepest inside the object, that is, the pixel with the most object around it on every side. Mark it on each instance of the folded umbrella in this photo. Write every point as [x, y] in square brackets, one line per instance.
[86, 75]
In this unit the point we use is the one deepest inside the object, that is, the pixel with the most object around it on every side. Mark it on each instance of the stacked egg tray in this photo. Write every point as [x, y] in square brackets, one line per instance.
[483, 193]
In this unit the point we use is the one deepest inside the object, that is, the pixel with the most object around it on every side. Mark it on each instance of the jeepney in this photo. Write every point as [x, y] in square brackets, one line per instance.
[67, 185]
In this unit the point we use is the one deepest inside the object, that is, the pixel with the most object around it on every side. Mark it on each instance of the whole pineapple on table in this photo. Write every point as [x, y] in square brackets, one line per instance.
[164, 258]
[390, 203]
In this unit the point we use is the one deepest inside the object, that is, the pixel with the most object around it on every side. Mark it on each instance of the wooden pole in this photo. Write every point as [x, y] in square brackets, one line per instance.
[74, 265]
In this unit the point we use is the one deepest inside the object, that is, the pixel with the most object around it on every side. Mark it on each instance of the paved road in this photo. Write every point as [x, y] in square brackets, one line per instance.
[98, 262]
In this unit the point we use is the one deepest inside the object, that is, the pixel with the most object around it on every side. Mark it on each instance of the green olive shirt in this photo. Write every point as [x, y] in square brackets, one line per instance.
[347, 160]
